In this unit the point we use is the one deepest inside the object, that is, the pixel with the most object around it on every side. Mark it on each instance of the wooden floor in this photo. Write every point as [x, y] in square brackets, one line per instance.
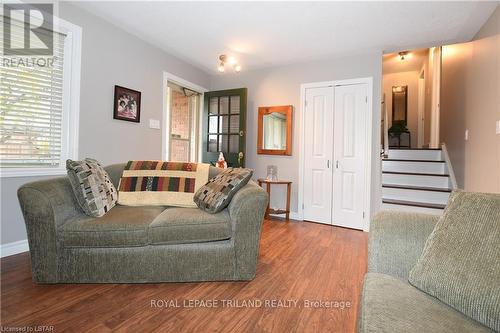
[299, 261]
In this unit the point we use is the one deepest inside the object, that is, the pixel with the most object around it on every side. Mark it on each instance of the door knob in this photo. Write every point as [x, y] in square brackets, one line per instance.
[240, 157]
[242, 133]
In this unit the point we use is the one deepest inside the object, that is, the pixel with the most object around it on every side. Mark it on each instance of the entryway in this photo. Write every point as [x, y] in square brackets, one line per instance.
[336, 155]
[182, 110]
[199, 124]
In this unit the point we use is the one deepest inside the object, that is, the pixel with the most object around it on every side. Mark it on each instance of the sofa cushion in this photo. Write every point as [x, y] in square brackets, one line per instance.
[216, 195]
[92, 187]
[460, 263]
[391, 305]
[122, 226]
[189, 225]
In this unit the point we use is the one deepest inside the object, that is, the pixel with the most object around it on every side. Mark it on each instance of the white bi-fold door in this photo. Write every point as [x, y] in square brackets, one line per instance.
[318, 140]
[336, 130]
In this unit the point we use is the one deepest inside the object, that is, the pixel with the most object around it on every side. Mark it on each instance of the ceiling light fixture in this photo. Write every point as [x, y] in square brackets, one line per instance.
[224, 59]
[403, 54]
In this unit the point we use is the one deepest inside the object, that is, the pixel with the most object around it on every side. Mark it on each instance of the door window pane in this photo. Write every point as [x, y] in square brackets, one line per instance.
[235, 104]
[212, 144]
[214, 106]
[234, 144]
[223, 143]
[224, 105]
[223, 124]
[235, 124]
[212, 124]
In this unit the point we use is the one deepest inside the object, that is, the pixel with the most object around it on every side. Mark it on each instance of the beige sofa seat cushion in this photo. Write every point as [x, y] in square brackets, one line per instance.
[122, 226]
[189, 225]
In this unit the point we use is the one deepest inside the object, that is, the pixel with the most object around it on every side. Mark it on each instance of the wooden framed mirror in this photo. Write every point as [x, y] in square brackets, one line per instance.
[274, 135]
[400, 104]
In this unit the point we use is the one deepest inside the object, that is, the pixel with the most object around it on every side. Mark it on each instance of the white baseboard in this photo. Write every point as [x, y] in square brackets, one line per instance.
[293, 216]
[10, 249]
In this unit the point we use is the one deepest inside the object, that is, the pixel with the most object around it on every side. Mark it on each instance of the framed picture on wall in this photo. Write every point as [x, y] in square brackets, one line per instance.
[127, 104]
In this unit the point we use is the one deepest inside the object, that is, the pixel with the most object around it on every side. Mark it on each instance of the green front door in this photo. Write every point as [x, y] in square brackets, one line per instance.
[224, 126]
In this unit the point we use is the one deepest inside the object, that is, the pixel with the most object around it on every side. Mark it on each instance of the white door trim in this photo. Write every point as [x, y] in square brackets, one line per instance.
[165, 121]
[369, 161]
[421, 108]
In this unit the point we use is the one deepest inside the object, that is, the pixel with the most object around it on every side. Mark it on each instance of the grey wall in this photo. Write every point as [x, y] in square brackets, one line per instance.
[109, 56]
[281, 86]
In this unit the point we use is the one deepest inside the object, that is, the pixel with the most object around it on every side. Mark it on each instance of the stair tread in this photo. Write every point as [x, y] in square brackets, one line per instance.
[416, 173]
[411, 160]
[420, 188]
[413, 203]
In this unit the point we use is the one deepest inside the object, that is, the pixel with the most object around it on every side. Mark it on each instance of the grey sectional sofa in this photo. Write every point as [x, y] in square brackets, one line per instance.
[389, 303]
[139, 244]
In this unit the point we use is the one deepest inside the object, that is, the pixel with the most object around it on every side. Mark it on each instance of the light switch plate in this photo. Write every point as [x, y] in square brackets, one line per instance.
[466, 135]
[497, 131]
[154, 123]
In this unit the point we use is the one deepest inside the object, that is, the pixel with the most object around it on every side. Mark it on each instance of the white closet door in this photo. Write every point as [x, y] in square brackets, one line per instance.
[318, 122]
[349, 176]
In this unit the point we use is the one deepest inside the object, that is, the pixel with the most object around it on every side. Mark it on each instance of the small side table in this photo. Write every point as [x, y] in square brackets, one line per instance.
[268, 189]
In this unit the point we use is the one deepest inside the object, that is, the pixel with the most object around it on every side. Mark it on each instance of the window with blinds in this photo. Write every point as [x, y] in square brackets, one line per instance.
[31, 110]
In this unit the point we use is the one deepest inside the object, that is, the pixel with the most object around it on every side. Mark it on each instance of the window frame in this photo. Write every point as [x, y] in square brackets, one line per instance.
[71, 104]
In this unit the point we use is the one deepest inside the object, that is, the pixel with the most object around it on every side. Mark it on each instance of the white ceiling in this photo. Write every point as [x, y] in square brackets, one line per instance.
[265, 34]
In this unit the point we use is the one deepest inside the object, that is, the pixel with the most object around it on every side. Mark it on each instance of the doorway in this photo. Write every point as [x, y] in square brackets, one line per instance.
[336, 152]
[181, 125]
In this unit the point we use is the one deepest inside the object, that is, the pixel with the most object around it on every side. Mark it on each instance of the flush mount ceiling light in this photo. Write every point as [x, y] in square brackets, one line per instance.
[225, 60]
[403, 54]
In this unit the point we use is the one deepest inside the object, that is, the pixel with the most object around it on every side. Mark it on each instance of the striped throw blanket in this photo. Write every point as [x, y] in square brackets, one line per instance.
[160, 183]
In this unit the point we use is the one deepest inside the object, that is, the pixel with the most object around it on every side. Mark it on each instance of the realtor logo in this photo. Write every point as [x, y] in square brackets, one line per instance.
[27, 29]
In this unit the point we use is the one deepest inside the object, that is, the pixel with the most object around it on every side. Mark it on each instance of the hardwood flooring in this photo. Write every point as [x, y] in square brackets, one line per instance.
[298, 262]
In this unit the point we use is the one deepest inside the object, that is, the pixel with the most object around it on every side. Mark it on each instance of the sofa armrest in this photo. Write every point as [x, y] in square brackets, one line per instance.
[396, 241]
[45, 206]
[246, 211]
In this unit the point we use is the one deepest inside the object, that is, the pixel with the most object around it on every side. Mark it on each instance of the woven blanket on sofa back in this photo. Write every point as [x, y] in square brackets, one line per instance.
[161, 183]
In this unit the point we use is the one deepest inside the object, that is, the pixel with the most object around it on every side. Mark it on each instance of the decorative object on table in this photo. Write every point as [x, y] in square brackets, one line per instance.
[127, 104]
[94, 191]
[221, 162]
[397, 134]
[269, 210]
[215, 195]
[160, 183]
[274, 134]
[272, 173]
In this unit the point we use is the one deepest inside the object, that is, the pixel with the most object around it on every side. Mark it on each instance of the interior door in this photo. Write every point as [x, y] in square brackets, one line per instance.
[318, 122]
[349, 177]
[224, 126]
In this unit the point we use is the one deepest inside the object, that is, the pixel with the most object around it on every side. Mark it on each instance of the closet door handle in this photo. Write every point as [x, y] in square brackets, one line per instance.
[336, 164]
[328, 164]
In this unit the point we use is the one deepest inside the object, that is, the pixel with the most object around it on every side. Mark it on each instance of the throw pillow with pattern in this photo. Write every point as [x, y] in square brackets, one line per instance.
[93, 189]
[216, 195]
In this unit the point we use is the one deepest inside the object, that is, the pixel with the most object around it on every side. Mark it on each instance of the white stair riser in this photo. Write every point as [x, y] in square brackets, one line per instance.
[416, 180]
[402, 208]
[415, 195]
[419, 167]
[408, 154]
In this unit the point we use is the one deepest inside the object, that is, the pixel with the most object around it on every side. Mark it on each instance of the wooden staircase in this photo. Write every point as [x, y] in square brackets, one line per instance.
[415, 180]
